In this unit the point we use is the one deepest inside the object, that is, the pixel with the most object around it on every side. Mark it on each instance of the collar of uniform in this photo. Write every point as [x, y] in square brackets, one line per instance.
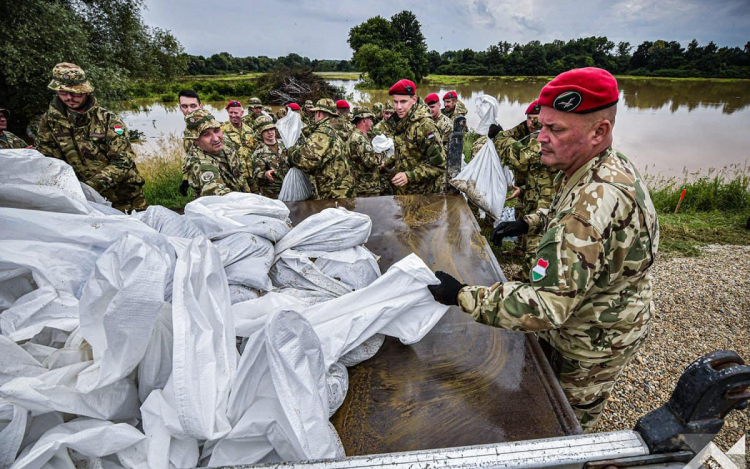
[62, 110]
[578, 175]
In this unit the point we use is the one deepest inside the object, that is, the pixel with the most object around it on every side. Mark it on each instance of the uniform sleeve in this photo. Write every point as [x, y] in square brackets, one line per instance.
[121, 159]
[569, 257]
[259, 164]
[307, 155]
[205, 178]
[431, 147]
[45, 141]
[513, 153]
[361, 149]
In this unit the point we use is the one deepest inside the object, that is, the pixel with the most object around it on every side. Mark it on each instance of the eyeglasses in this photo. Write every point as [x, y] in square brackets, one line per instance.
[68, 93]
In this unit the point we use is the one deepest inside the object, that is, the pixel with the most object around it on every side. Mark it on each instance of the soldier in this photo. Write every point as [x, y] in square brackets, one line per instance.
[385, 126]
[589, 299]
[377, 111]
[323, 156]
[365, 162]
[235, 130]
[254, 110]
[453, 107]
[7, 139]
[442, 122]
[295, 107]
[213, 168]
[307, 117]
[270, 159]
[91, 139]
[344, 123]
[419, 160]
[188, 101]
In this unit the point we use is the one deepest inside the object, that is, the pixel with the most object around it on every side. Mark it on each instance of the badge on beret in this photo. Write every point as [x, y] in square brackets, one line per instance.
[118, 129]
[540, 270]
[567, 101]
[208, 176]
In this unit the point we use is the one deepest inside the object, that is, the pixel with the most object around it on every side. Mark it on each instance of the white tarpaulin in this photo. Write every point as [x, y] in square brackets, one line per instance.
[484, 181]
[488, 109]
[383, 144]
[333, 229]
[290, 128]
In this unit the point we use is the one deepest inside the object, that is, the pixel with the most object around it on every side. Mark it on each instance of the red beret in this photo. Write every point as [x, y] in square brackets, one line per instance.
[432, 98]
[233, 103]
[450, 94]
[341, 104]
[403, 87]
[581, 90]
[294, 106]
[533, 108]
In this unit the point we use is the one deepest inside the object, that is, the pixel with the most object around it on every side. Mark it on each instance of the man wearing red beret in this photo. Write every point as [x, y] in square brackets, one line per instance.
[343, 123]
[589, 296]
[443, 124]
[419, 160]
[453, 106]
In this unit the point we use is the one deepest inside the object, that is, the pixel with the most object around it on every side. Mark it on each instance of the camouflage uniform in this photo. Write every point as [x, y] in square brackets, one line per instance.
[250, 117]
[343, 126]
[589, 300]
[209, 174]
[242, 137]
[445, 127]
[266, 158]
[459, 110]
[418, 152]
[377, 111]
[365, 164]
[94, 142]
[323, 156]
[8, 140]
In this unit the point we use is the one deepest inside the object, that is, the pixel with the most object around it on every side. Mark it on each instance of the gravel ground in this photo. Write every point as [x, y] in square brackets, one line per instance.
[702, 304]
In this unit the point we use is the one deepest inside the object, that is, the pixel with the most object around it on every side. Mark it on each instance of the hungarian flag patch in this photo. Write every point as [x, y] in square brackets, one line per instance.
[540, 270]
[118, 129]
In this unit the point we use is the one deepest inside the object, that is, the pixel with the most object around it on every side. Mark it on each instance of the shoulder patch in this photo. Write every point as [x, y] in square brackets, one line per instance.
[118, 129]
[368, 147]
[431, 135]
[207, 176]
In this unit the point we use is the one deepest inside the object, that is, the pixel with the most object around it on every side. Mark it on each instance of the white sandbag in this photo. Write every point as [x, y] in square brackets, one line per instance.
[333, 229]
[205, 357]
[307, 297]
[383, 144]
[75, 350]
[155, 368]
[44, 307]
[364, 351]
[337, 380]
[241, 293]
[294, 269]
[295, 186]
[119, 306]
[168, 444]
[483, 181]
[355, 267]
[168, 222]
[250, 316]
[247, 262]
[290, 128]
[15, 362]
[12, 427]
[89, 437]
[488, 109]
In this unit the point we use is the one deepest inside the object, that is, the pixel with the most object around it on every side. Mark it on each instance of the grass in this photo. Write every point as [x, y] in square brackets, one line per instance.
[161, 167]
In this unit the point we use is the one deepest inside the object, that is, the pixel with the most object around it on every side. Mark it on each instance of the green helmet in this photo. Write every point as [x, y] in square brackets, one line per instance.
[361, 112]
[326, 105]
[263, 123]
[69, 77]
[253, 103]
[198, 121]
[377, 108]
[389, 106]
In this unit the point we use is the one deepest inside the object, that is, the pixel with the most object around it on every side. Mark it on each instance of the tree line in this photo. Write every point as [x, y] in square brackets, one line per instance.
[224, 63]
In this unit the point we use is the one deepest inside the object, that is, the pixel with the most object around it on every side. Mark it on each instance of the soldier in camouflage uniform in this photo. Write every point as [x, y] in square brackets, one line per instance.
[307, 115]
[254, 110]
[188, 101]
[323, 155]
[238, 132]
[442, 122]
[270, 160]
[7, 139]
[213, 168]
[385, 126]
[453, 106]
[365, 162]
[589, 298]
[377, 112]
[91, 139]
[419, 160]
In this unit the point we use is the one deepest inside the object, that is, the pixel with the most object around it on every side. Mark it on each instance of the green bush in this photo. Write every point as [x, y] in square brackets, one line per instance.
[168, 97]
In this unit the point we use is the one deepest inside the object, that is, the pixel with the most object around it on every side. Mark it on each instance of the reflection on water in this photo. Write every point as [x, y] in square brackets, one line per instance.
[663, 125]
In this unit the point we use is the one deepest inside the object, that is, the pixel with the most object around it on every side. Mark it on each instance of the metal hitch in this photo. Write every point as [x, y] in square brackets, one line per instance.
[455, 150]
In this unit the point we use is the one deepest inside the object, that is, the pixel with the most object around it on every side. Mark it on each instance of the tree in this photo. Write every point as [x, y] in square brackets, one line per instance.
[383, 66]
[411, 43]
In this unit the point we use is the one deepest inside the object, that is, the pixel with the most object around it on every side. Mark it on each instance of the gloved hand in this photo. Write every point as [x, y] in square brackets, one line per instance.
[494, 130]
[184, 187]
[447, 292]
[508, 229]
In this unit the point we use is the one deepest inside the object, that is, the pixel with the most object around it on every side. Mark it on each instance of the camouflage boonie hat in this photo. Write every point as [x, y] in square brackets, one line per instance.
[308, 103]
[361, 112]
[326, 105]
[268, 109]
[377, 108]
[198, 121]
[264, 123]
[389, 106]
[253, 103]
[69, 77]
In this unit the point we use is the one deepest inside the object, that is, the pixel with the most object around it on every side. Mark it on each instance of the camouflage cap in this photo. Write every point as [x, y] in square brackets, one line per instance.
[254, 102]
[69, 77]
[326, 105]
[264, 123]
[198, 121]
[308, 103]
[361, 112]
[377, 108]
[389, 106]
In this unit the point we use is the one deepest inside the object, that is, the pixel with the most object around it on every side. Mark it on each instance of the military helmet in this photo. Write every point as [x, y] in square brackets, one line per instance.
[377, 108]
[308, 103]
[198, 121]
[361, 112]
[326, 105]
[263, 123]
[69, 77]
[253, 103]
[389, 106]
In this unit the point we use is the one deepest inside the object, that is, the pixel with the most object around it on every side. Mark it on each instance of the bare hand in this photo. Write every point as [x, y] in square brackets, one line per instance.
[516, 193]
[269, 174]
[400, 180]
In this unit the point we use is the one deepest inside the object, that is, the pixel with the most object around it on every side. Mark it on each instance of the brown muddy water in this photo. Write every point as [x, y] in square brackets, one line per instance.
[665, 126]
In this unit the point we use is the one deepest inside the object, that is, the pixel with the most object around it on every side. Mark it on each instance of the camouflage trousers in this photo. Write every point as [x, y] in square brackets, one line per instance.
[588, 384]
[137, 204]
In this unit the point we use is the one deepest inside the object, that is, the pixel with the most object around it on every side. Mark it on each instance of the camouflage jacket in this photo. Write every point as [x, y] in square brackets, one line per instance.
[590, 290]
[266, 159]
[249, 119]
[217, 174]
[8, 140]
[445, 127]
[323, 156]
[516, 133]
[459, 110]
[365, 164]
[242, 137]
[343, 126]
[95, 143]
[384, 127]
[418, 152]
[524, 158]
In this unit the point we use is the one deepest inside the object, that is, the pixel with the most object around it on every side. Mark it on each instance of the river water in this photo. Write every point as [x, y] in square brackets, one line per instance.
[665, 126]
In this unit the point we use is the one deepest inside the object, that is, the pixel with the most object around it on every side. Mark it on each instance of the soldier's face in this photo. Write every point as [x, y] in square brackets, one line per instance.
[449, 104]
[269, 136]
[211, 140]
[532, 122]
[435, 109]
[3, 122]
[188, 105]
[235, 115]
[257, 111]
[566, 139]
[402, 104]
[73, 101]
[387, 114]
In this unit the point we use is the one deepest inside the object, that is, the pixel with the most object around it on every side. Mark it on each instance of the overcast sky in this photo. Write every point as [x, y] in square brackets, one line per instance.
[319, 28]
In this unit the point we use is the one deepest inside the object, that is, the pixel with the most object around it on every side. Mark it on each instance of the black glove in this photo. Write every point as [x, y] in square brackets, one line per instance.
[494, 130]
[508, 229]
[184, 187]
[447, 292]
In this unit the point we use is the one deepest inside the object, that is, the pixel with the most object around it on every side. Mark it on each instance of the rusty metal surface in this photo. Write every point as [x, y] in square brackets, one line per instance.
[464, 383]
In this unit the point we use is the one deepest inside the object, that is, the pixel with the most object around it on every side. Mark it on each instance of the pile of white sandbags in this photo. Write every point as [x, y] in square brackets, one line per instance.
[157, 340]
